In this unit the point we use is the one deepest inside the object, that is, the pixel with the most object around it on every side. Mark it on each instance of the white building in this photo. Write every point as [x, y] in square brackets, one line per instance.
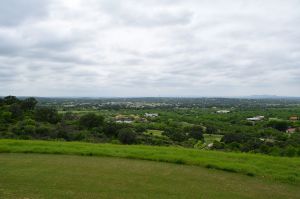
[256, 118]
[126, 121]
[223, 111]
[151, 114]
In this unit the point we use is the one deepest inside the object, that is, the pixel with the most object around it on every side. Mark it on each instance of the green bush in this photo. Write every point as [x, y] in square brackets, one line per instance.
[45, 114]
[91, 120]
[127, 136]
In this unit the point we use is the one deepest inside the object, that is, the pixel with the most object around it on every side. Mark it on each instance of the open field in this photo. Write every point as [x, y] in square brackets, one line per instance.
[210, 138]
[67, 176]
[154, 133]
[261, 166]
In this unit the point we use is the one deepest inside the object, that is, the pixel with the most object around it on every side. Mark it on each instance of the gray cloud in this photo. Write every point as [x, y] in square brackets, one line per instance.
[152, 48]
[14, 12]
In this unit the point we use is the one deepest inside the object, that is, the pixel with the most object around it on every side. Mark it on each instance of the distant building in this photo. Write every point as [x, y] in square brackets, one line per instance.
[126, 121]
[291, 130]
[223, 111]
[294, 118]
[151, 114]
[256, 118]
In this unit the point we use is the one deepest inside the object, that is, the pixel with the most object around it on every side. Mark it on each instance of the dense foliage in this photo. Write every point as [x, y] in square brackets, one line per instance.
[183, 125]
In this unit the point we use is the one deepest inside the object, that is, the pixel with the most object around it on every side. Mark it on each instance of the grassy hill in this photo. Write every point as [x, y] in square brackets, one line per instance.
[37, 176]
[274, 169]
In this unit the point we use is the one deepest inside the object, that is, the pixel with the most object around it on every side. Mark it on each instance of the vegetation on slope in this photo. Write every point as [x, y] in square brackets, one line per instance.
[173, 126]
[273, 168]
[66, 176]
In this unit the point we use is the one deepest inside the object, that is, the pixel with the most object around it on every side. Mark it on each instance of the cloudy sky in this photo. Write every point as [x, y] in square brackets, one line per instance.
[149, 47]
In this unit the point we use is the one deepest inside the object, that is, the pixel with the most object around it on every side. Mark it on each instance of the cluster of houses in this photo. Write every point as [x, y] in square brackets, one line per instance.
[127, 119]
[293, 130]
[290, 130]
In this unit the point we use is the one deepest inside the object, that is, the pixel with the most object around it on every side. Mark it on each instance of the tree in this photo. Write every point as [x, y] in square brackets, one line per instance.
[211, 129]
[69, 116]
[175, 134]
[6, 116]
[280, 125]
[218, 145]
[195, 132]
[16, 111]
[235, 137]
[29, 104]
[91, 120]
[111, 129]
[9, 100]
[140, 128]
[1, 102]
[43, 131]
[45, 114]
[127, 136]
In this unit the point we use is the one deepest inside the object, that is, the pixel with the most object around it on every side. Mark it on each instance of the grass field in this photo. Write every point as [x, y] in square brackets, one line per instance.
[210, 138]
[38, 176]
[157, 133]
[270, 168]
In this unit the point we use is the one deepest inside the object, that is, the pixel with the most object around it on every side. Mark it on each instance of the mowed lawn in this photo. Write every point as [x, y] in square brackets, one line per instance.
[276, 169]
[38, 176]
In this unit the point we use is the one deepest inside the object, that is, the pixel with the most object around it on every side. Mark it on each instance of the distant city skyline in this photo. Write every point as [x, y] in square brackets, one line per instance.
[151, 48]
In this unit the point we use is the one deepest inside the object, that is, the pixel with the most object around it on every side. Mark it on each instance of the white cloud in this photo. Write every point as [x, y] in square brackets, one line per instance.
[149, 48]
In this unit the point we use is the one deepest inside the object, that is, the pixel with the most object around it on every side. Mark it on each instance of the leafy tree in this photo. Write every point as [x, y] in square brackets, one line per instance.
[264, 149]
[127, 136]
[9, 100]
[140, 128]
[280, 125]
[69, 116]
[235, 137]
[175, 134]
[45, 114]
[79, 136]
[62, 132]
[111, 129]
[16, 111]
[195, 132]
[91, 120]
[29, 103]
[218, 145]
[43, 131]
[1, 102]
[29, 130]
[6, 116]
[211, 129]
[290, 151]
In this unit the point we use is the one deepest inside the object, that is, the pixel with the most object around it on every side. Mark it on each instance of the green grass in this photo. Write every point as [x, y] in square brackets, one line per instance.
[210, 138]
[281, 169]
[157, 133]
[46, 176]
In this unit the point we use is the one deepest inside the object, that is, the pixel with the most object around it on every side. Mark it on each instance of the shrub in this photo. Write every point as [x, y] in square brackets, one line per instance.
[280, 125]
[91, 120]
[29, 130]
[127, 136]
[6, 116]
[28, 104]
[45, 114]
[43, 131]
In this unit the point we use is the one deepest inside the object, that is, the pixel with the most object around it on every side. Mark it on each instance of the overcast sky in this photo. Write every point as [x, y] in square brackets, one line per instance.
[149, 47]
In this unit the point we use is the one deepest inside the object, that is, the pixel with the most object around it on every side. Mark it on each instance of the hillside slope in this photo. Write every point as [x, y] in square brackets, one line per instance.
[38, 176]
[271, 168]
